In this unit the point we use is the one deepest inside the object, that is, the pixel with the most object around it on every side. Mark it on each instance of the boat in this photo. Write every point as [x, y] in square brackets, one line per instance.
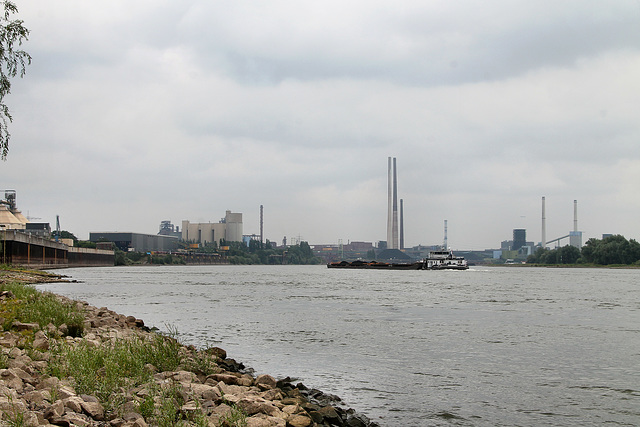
[444, 260]
[437, 260]
[377, 265]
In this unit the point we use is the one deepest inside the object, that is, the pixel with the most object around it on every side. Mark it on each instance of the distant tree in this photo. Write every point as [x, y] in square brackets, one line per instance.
[611, 250]
[13, 61]
[568, 254]
[64, 234]
[85, 244]
[565, 255]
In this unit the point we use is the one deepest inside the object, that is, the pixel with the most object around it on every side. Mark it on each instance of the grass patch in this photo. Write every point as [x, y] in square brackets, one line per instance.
[29, 305]
[107, 370]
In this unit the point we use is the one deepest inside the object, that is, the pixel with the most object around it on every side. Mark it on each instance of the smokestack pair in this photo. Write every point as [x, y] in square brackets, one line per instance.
[392, 214]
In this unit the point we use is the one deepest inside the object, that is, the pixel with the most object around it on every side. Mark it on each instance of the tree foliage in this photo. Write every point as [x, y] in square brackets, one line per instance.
[565, 255]
[13, 62]
[263, 253]
[608, 251]
[611, 250]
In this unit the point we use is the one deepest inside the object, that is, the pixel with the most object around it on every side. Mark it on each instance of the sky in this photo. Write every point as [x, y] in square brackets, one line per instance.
[138, 111]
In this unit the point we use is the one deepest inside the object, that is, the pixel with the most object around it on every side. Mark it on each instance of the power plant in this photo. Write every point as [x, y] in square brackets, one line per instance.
[575, 236]
[392, 219]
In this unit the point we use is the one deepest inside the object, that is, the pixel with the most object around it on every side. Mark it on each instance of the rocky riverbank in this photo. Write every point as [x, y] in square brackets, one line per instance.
[44, 380]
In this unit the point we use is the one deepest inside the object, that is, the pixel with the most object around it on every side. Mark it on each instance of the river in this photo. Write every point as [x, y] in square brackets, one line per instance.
[482, 347]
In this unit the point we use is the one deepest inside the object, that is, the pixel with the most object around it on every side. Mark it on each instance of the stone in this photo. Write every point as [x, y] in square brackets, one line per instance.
[131, 416]
[74, 403]
[12, 406]
[89, 398]
[316, 417]
[35, 397]
[30, 419]
[299, 421]
[15, 352]
[65, 392]
[79, 420]
[254, 406]
[55, 410]
[94, 410]
[11, 380]
[330, 415]
[217, 351]
[262, 420]
[225, 378]
[271, 395]
[48, 383]
[184, 377]
[265, 382]
[63, 329]
[60, 421]
[190, 409]
[236, 390]
[8, 340]
[19, 326]
[205, 392]
[40, 341]
[245, 381]
[140, 422]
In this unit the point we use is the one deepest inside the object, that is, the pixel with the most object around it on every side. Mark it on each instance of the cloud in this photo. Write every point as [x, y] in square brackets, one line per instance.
[139, 111]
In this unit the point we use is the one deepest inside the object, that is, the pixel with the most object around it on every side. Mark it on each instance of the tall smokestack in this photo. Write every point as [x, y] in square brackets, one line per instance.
[390, 207]
[575, 215]
[261, 224]
[543, 242]
[446, 243]
[401, 224]
[394, 231]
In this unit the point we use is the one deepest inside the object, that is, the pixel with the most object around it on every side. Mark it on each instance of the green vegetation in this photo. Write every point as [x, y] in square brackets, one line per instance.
[236, 417]
[263, 253]
[133, 258]
[234, 252]
[612, 250]
[123, 364]
[13, 62]
[29, 305]
[114, 371]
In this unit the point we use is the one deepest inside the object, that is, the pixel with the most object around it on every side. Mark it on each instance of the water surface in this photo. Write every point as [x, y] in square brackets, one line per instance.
[482, 347]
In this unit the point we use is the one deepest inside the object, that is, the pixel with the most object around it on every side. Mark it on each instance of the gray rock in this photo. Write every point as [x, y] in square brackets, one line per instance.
[19, 326]
[74, 403]
[265, 382]
[94, 410]
[55, 410]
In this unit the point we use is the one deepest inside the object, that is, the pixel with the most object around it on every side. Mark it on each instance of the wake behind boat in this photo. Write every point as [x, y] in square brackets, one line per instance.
[437, 260]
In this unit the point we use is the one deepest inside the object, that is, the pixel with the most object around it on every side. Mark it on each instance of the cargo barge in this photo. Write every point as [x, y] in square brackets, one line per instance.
[437, 260]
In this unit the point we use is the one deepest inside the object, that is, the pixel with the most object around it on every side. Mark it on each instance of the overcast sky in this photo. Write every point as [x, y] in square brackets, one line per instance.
[139, 111]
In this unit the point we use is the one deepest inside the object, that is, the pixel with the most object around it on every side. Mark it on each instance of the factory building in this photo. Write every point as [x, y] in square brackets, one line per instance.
[229, 228]
[136, 242]
[10, 217]
[519, 238]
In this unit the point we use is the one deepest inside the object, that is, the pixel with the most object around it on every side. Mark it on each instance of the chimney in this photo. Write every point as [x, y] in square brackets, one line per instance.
[543, 242]
[390, 207]
[401, 224]
[261, 224]
[394, 230]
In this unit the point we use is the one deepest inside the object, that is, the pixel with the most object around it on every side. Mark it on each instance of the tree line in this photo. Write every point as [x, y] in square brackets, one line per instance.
[612, 250]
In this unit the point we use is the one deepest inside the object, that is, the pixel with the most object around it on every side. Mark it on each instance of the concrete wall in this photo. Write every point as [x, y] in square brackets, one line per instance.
[24, 249]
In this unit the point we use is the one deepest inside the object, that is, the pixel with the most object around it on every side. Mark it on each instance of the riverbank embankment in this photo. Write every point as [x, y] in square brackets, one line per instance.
[67, 363]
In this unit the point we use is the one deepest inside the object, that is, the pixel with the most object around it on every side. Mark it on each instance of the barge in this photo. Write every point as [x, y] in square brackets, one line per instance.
[437, 260]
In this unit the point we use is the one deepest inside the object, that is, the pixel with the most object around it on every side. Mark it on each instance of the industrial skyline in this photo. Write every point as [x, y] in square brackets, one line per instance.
[173, 110]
